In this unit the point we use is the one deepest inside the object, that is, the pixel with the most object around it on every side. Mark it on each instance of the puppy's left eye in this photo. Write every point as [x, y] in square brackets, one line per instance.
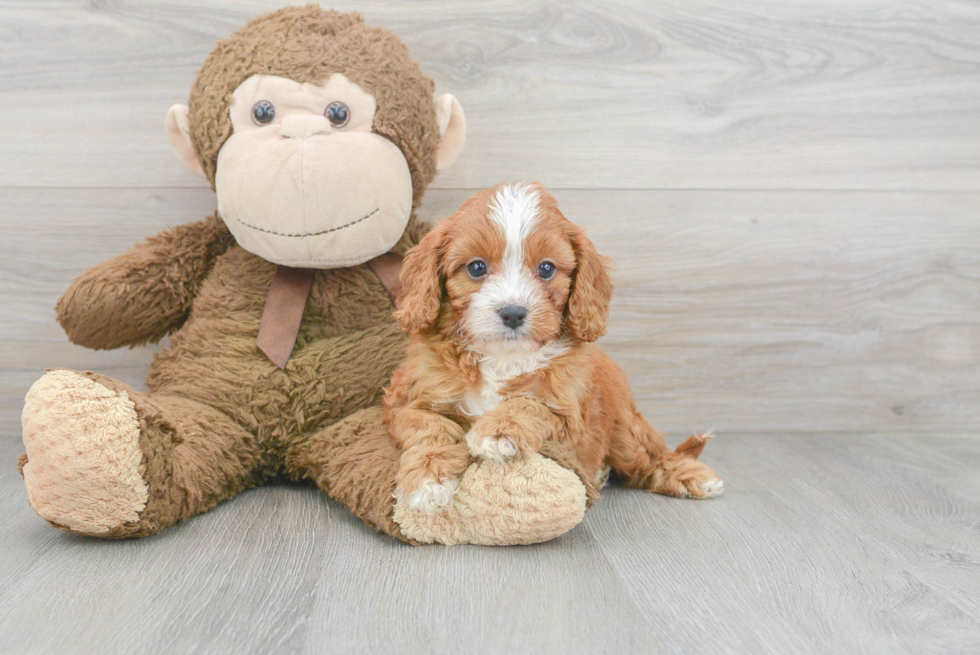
[546, 270]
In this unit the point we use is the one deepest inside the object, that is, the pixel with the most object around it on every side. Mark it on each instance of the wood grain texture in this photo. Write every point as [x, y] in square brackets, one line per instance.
[791, 191]
[862, 94]
[822, 543]
[831, 543]
[741, 311]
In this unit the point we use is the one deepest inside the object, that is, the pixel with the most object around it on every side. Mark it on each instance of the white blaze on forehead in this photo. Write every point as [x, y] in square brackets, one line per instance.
[515, 209]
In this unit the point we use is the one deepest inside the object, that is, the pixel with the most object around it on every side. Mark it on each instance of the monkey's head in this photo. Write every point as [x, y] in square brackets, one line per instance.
[318, 133]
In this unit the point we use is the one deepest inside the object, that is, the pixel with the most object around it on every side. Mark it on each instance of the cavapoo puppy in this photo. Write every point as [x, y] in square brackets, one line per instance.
[503, 301]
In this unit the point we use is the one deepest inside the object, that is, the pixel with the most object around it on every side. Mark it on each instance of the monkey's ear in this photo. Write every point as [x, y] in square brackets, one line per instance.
[179, 130]
[452, 130]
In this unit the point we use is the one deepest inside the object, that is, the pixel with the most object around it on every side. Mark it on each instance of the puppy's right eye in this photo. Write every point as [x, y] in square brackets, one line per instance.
[476, 269]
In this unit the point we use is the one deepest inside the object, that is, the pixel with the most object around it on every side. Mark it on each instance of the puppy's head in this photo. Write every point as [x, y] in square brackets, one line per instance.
[508, 270]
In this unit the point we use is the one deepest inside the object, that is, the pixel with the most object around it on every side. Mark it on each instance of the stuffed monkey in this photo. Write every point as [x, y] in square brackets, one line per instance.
[319, 135]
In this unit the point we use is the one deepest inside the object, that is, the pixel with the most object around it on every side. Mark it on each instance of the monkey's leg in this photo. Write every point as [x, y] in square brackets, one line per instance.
[107, 461]
[356, 461]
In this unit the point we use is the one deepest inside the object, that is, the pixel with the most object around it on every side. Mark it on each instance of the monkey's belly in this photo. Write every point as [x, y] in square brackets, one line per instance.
[348, 347]
[324, 381]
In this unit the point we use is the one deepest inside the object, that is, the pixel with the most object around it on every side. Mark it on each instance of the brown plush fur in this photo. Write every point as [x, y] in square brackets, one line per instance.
[580, 398]
[354, 461]
[218, 416]
[289, 43]
[167, 271]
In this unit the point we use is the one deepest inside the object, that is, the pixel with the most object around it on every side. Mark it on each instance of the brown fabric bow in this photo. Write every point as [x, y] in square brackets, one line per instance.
[286, 302]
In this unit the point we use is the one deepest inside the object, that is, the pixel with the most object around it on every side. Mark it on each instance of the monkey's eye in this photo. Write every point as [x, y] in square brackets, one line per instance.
[337, 113]
[546, 270]
[263, 112]
[476, 269]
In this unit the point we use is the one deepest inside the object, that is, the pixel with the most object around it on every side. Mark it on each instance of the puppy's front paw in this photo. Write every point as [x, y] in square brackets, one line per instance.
[428, 476]
[430, 497]
[497, 446]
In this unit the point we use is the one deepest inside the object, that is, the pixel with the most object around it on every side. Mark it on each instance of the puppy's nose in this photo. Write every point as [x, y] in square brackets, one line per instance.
[513, 316]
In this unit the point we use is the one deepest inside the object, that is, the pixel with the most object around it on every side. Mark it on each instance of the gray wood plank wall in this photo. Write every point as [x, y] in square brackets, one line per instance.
[790, 189]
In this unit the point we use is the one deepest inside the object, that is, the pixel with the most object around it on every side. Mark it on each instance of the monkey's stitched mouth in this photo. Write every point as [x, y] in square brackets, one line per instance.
[308, 234]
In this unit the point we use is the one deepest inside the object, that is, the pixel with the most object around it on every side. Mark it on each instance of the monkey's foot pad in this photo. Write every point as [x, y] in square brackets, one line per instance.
[522, 502]
[83, 455]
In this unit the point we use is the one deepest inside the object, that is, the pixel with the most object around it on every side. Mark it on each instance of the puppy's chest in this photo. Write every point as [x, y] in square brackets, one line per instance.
[496, 372]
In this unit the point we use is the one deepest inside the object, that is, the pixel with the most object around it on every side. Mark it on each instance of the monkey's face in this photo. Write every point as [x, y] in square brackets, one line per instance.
[319, 134]
[303, 181]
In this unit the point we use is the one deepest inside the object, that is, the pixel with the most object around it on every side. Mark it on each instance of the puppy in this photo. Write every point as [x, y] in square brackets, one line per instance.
[503, 301]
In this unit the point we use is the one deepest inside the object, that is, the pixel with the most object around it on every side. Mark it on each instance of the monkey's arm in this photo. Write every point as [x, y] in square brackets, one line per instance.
[144, 294]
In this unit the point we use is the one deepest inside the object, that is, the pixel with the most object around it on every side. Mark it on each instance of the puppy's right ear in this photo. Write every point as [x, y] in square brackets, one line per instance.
[421, 283]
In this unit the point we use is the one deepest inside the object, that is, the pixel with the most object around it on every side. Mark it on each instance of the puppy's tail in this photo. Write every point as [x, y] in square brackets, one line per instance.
[693, 445]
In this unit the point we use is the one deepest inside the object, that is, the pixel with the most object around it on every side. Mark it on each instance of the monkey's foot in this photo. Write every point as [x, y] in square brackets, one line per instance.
[524, 502]
[83, 457]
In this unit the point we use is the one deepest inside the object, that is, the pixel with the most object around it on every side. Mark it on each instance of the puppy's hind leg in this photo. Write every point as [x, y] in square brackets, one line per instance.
[680, 474]
[675, 473]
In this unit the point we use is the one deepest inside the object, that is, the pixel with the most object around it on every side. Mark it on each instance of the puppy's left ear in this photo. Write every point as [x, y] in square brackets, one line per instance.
[421, 283]
[592, 288]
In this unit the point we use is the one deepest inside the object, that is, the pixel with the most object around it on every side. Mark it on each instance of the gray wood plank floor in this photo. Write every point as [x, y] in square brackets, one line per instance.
[825, 543]
[791, 190]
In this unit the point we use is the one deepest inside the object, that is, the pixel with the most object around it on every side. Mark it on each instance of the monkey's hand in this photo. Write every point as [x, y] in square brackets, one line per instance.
[144, 294]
